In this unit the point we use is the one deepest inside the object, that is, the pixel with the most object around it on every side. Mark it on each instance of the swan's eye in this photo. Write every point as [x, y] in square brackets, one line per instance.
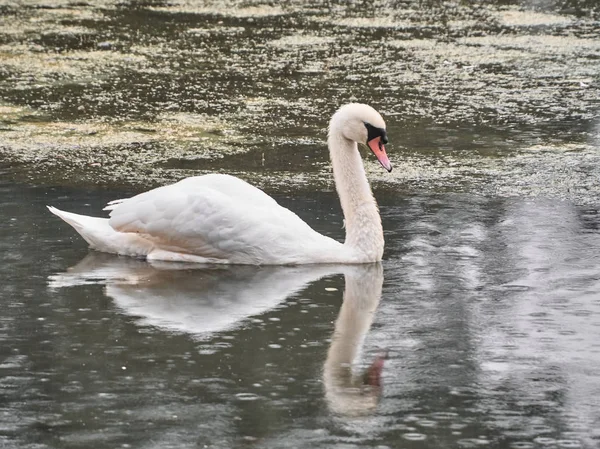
[373, 132]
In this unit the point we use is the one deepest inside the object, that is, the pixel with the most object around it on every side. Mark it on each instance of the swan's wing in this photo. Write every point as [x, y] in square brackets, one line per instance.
[226, 184]
[216, 218]
[230, 186]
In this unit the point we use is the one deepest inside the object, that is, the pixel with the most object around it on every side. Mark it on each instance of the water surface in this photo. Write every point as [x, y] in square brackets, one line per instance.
[488, 311]
[140, 93]
[480, 328]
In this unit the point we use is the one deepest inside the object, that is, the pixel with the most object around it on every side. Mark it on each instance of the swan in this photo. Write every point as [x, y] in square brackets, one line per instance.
[219, 218]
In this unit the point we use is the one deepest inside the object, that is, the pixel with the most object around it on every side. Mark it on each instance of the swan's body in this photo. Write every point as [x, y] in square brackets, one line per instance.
[222, 219]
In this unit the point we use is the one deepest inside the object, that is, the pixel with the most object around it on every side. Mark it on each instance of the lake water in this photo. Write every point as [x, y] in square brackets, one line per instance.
[481, 327]
[488, 311]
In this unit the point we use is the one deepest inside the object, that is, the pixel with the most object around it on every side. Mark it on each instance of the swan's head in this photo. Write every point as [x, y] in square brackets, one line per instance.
[363, 124]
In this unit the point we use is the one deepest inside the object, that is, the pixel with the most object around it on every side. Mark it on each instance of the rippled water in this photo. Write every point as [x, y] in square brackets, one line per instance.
[488, 311]
[481, 328]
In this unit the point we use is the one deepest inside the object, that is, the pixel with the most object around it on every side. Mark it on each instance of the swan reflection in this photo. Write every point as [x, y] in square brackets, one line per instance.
[194, 299]
[348, 390]
[201, 300]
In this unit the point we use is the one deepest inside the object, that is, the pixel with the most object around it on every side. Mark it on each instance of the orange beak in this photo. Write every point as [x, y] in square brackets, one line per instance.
[376, 146]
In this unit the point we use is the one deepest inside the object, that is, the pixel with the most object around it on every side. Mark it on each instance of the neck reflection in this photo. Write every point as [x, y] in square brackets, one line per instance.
[348, 389]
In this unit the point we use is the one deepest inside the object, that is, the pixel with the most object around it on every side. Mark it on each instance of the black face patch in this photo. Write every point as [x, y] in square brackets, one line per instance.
[373, 132]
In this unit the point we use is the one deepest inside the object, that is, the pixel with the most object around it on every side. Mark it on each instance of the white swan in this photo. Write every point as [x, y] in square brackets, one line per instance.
[222, 219]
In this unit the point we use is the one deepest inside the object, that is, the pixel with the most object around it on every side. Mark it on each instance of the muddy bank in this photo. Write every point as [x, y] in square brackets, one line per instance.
[499, 98]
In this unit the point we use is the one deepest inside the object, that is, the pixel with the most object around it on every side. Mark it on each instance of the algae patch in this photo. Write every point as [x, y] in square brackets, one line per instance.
[144, 93]
[302, 40]
[515, 17]
[121, 151]
[220, 9]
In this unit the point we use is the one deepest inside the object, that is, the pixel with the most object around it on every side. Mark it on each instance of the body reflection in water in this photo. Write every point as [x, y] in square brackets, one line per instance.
[202, 300]
[194, 299]
[350, 391]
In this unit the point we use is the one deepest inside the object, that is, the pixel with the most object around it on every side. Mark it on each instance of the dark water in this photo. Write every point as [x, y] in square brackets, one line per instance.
[488, 310]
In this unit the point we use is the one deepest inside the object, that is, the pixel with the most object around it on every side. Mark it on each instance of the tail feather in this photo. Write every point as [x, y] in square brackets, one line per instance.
[79, 222]
[101, 236]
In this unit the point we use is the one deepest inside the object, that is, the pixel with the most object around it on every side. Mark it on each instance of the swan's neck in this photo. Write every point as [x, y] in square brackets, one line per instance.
[364, 232]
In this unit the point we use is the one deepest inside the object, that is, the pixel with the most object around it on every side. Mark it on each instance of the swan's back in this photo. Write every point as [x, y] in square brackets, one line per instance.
[223, 219]
[232, 187]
